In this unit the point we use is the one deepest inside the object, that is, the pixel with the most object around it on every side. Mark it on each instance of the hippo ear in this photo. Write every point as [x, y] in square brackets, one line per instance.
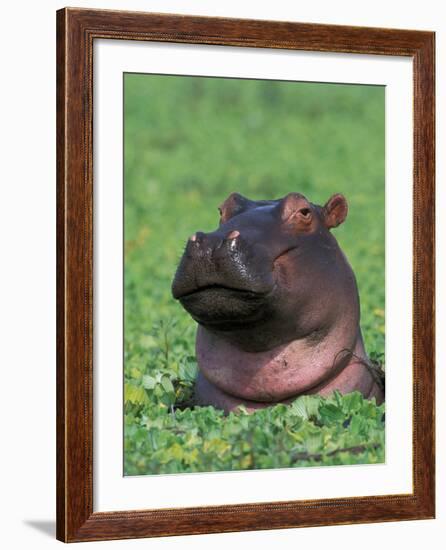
[233, 205]
[335, 211]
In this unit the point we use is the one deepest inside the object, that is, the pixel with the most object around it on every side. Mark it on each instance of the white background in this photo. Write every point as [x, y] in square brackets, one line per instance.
[28, 271]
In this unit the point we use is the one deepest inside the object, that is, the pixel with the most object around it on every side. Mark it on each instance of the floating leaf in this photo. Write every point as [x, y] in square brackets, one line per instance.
[149, 382]
[135, 394]
[330, 413]
[167, 384]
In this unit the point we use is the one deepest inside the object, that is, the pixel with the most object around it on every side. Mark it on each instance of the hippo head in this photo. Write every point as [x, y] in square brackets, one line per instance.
[270, 273]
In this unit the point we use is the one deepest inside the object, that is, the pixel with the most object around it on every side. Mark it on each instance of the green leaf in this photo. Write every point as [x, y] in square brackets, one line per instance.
[330, 413]
[149, 382]
[352, 402]
[306, 406]
[188, 370]
[167, 384]
[134, 394]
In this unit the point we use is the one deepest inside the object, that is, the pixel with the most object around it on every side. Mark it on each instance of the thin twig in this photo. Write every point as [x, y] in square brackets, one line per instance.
[304, 455]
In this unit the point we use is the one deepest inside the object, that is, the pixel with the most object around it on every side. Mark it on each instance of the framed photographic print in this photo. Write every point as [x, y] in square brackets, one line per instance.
[245, 275]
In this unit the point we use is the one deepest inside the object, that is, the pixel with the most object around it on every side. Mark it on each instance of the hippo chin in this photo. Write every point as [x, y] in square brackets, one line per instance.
[277, 305]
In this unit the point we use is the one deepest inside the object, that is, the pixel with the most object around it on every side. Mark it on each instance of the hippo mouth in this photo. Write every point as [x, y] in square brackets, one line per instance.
[220, 289]
[224, 307]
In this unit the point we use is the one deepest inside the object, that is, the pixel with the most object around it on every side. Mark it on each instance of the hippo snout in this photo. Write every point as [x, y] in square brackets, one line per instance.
[223, 261]
[221, 280]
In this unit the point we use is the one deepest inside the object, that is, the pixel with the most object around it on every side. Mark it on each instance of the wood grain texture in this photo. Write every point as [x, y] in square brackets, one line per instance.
[76, 31]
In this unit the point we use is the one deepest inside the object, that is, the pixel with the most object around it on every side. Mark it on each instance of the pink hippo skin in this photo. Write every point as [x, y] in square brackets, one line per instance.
[229, 377]
[277, 305]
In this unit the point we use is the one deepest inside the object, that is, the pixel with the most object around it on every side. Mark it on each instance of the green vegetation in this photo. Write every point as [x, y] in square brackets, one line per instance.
[189, 142]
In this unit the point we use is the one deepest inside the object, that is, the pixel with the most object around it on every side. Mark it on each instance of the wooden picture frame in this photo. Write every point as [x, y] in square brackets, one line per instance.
[76, 31]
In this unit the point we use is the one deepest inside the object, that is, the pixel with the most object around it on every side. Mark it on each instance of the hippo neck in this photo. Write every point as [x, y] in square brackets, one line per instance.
[282, 372]
[355, 376]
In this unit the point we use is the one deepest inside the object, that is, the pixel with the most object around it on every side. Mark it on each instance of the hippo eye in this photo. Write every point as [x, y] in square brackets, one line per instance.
[305, 212]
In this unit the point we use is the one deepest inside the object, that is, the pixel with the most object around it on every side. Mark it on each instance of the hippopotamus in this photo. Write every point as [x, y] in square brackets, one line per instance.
[276, 303]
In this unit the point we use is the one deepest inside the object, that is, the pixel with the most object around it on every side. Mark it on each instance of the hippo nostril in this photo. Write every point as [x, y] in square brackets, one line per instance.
[232, 239]
[197, 237]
